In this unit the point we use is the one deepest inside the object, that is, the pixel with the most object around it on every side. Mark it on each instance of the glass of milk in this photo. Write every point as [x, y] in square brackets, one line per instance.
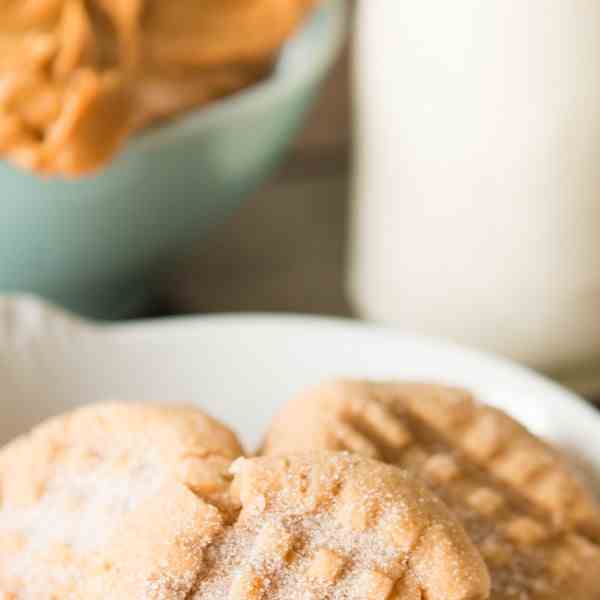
[477, 181]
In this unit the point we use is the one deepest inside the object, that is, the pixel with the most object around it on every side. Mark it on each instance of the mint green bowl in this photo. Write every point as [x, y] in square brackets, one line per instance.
[92, 245]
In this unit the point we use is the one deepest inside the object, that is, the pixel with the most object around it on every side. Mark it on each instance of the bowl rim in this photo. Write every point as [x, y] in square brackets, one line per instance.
[328, 24]
[30, 326]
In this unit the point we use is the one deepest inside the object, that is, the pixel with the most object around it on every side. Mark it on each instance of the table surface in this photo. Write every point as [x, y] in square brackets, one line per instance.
[284, 250]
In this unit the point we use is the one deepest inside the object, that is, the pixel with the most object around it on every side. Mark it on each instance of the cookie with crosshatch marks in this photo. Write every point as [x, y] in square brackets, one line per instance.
[329, 526]
[534, 522]
[68, 488]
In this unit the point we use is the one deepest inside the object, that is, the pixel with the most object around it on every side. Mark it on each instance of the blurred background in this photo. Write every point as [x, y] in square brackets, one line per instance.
[288, 247]
[443, 182]
[285, 248]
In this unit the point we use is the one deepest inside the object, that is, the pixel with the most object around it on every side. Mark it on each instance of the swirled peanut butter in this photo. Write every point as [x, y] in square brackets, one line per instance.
[78, 77]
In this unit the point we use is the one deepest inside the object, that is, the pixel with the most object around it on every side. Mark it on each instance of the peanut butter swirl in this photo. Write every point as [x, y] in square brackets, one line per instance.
[78, 77]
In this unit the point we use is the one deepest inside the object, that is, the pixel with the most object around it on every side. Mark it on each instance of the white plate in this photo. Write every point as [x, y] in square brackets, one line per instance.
[242, 368]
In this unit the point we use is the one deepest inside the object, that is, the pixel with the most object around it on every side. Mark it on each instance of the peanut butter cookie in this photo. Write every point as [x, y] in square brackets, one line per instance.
[334, 526]
[68, 488]
[534, 522]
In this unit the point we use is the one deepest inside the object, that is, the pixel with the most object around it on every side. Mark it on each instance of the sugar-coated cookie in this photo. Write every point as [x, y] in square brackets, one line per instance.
[527, 512]
[326, 525]
[68, 488]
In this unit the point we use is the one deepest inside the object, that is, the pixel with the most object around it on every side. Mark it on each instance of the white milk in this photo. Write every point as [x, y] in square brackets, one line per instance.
[477, 190]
